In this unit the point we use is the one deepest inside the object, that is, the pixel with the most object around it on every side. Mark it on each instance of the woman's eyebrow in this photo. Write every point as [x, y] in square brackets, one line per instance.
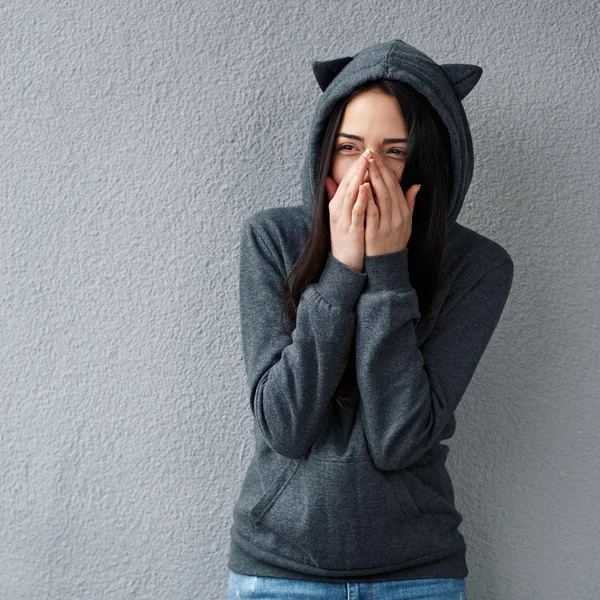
[385, 140]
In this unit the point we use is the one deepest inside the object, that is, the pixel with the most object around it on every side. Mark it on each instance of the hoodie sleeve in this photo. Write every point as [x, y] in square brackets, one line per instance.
[409, 393]
[292, 378]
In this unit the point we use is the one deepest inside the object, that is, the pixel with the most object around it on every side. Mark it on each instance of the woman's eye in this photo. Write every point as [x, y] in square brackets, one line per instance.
[350, 147]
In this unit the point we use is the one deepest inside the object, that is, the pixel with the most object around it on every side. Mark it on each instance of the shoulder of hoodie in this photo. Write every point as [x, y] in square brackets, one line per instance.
[283, 229]
[470, 254]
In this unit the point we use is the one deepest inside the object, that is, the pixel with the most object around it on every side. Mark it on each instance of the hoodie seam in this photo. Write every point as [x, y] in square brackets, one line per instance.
[387, 60]
[438, 553]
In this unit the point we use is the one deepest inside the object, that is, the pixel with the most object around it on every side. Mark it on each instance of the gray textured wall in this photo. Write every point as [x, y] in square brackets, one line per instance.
[134, 138]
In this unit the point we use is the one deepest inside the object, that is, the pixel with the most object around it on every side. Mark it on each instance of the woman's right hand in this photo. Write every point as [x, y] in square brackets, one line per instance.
[347, 205]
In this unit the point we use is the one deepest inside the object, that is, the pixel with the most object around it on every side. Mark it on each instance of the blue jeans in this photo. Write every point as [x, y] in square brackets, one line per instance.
[246, 587]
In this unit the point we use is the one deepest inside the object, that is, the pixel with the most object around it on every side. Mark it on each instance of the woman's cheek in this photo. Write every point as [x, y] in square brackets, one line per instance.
[339, 168]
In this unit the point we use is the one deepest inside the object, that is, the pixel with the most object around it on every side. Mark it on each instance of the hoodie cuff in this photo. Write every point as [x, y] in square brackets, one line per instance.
[388, 272]
[339, 284]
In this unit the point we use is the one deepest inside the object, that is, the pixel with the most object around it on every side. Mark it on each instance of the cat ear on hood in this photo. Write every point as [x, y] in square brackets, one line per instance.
[462, 77]
[326, 70]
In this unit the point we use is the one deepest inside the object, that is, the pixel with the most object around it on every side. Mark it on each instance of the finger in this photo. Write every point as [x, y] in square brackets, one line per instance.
[351, 192]
[349, 174]
[393, 181]
[389, 178]
[372, 216]
[380, 189]
[393, 185]
[358, 210]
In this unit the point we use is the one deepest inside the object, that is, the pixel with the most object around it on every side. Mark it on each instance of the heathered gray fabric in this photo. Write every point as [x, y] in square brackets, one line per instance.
[361, 494]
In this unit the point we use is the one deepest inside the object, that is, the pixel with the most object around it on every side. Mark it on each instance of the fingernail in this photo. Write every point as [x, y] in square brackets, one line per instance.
[367, 153]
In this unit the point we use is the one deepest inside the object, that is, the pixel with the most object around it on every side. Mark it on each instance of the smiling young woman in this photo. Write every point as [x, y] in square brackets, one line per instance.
[372, 295]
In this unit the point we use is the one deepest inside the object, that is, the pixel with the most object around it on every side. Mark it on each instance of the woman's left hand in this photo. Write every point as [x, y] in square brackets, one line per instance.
[388, 222]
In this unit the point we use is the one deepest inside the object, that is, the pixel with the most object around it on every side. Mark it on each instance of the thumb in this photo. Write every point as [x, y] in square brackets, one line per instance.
[331, 187]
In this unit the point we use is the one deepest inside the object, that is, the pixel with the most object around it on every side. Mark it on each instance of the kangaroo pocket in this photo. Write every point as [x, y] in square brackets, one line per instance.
[431, 484]
[341, 515]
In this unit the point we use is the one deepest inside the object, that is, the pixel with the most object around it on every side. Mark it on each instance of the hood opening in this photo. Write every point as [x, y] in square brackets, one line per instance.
[444, 86]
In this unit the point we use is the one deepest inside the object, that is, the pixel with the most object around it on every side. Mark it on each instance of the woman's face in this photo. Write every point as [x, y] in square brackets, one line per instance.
[372, 116]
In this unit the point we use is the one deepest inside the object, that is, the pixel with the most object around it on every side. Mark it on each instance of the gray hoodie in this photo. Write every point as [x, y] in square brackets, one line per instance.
[355, 495]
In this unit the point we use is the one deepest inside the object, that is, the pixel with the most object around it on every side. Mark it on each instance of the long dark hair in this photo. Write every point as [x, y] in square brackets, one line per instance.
[428, 162]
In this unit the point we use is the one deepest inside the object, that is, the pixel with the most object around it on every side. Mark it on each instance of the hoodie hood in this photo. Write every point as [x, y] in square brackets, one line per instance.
[444, 86]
